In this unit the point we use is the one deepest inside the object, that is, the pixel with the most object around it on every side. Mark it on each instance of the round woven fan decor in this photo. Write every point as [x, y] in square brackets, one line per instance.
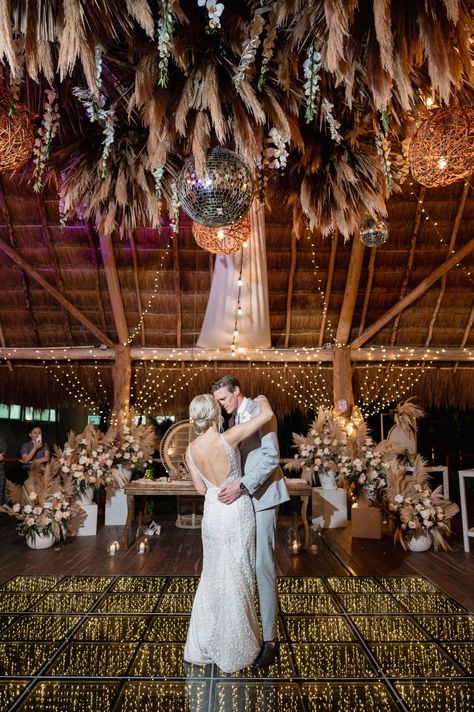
[16, 134]
[173, 448]
[223, 240]
[442, 149]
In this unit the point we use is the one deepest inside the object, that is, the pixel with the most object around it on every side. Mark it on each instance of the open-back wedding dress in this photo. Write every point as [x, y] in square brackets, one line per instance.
[224, 626]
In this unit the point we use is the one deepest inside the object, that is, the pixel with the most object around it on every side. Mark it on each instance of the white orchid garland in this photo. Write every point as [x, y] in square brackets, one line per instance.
[382, 145]
[333, 124]
[165, 34]
[311, 67]
[275, 153]
[174, 208]
[267, 53]
[249, 48]
[46, 132]
[94, 106]
[214, 10]
[158, 176]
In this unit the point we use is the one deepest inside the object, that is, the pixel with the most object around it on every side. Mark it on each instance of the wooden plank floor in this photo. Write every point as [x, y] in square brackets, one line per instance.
[178, 552]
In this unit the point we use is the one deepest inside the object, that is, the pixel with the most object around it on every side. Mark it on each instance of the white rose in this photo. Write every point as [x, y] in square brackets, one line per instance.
[425, 513]
[428, 523]
[16, 507]
[398, 498]
[126, 456]
[33, 495]
[27, 508]
[412, 524]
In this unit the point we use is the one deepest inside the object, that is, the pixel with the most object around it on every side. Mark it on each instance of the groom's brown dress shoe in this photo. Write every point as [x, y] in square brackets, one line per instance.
[268, 653]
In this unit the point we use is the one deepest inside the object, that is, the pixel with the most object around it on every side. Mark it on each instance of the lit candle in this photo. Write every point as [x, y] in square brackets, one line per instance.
[112, 549]
[295, 547]
[313, 549]
[141, 548]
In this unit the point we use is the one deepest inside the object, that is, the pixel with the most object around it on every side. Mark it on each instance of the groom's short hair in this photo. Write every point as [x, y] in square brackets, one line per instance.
[229, 382]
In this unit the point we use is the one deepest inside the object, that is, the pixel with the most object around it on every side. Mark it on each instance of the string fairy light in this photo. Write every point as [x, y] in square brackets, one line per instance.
[319, 285]
[165, 253]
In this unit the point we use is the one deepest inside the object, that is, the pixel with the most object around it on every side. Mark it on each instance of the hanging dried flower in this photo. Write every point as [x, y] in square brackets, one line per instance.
[214, 10]
[46, 132]
[333, 124]
[165, 34]
[311, 67]
[275, 153]
[267, 53]
[174, 208]
[158, 176]
[382, 145]
[249, 48]
[62, 212]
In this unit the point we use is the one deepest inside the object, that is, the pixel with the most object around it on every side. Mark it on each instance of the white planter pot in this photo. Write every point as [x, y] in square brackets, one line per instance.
[86, 497]
[328, 480]
[420, 543]
[40, 541]
[116, 508]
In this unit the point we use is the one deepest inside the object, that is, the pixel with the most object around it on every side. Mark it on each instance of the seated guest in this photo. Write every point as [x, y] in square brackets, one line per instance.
[34, 450]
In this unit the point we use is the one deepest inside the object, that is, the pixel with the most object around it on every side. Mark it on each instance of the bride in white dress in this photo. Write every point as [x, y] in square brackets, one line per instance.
[224, 626]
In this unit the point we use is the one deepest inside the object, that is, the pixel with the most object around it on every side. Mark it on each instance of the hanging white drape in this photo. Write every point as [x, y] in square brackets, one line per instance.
[254, 323]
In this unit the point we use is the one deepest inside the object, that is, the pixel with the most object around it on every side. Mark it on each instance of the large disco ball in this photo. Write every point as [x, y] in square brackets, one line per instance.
[222, 195]
[374, 233]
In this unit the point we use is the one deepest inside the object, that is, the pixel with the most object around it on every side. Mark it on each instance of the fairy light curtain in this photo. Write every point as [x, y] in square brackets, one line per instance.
[253, 324]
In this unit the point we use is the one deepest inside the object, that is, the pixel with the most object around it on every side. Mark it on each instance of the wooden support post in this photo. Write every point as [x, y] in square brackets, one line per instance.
[122, 376]
[342, 378]
[350, 292]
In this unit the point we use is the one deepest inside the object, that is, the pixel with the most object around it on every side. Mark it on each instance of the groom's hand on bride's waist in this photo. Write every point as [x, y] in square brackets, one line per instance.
[229, 493]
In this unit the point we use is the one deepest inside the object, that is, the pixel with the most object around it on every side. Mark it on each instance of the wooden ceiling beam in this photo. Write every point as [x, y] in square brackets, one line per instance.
[467, 331]
[168, 357]
[350, 293]
[327, 294]
[52, 253]
[452, 242]
[137, 286]
[26, 289]
[21, 262]
[411, 258]
[291, 284]
[113, 285]
[415, 294]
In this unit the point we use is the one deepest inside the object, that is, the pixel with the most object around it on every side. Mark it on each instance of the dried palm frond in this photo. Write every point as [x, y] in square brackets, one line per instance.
[406, 416]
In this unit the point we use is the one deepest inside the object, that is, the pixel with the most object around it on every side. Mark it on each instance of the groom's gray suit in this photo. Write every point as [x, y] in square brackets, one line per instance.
[264, 481]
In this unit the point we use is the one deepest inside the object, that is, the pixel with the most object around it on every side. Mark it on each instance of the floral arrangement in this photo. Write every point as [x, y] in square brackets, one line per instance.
[323, 450]
[133, 444]
[87, 459]
[416, 509]
[42, 504]
[367, 472]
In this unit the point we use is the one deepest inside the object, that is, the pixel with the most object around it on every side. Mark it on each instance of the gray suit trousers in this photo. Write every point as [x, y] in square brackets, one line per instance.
[266, 571]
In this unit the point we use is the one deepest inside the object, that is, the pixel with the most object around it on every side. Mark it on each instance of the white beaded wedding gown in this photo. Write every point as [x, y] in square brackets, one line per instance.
[224, 626]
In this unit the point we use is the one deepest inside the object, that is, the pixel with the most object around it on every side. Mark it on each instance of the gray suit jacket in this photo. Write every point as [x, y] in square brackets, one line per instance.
[262, 475]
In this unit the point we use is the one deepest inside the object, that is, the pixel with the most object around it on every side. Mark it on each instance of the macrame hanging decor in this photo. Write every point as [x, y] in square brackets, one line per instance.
[16, 133]
[222, 195]
[442, 149]
[222, 240]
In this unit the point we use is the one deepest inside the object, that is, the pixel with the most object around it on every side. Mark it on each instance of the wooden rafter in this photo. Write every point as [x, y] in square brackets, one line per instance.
[137, 286]
[452, 242]
[26, 289]
[167, 357]
[21, 262]
[368, 289]
[98, 291]
[291, 284]
[52, 253]
[414, 294]
[327, 294]
[177, 290]
[411, 258]
[350, 293]
[113, 285]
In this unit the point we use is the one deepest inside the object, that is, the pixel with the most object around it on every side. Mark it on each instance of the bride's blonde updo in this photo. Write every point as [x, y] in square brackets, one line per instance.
[203, 411]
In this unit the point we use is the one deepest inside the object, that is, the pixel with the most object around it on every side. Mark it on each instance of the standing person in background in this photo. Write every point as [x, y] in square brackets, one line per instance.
[262, 481]
[3, 450]
[34, 450]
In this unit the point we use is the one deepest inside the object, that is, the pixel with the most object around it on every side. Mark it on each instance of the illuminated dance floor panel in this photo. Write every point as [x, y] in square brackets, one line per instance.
[115, 644]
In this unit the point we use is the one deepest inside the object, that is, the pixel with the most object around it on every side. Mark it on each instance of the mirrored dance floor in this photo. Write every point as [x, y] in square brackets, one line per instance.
[115, 644]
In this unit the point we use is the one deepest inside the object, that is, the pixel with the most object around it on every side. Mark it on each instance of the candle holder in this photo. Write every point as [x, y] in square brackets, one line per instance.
[143, 545]
[113, 548]
[295, 538]
[316, 540]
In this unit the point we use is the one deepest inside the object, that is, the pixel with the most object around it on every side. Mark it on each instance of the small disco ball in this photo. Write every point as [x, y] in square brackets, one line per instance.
[223, 195]
[374, 233]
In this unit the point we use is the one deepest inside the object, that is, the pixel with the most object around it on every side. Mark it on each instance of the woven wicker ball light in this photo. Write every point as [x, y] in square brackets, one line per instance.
[221, 196]
[222, 240]
[16, 134]
[442, 149]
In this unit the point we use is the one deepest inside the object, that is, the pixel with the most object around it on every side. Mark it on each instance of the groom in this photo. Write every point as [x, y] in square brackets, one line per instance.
[263, 480]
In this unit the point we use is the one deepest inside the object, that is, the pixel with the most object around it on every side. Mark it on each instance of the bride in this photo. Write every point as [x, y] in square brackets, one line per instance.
[224, 627]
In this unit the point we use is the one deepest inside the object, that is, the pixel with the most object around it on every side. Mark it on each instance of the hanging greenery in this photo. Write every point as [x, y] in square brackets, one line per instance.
[165, 37]
[311, 67]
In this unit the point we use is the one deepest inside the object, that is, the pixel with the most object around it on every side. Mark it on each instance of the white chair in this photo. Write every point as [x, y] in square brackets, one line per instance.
[466, 532]
[438, 468]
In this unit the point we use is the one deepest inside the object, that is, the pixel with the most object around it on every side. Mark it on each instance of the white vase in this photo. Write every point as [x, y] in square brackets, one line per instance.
[40, 541]
[327, 480]
[87, 496]
[420, 543]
